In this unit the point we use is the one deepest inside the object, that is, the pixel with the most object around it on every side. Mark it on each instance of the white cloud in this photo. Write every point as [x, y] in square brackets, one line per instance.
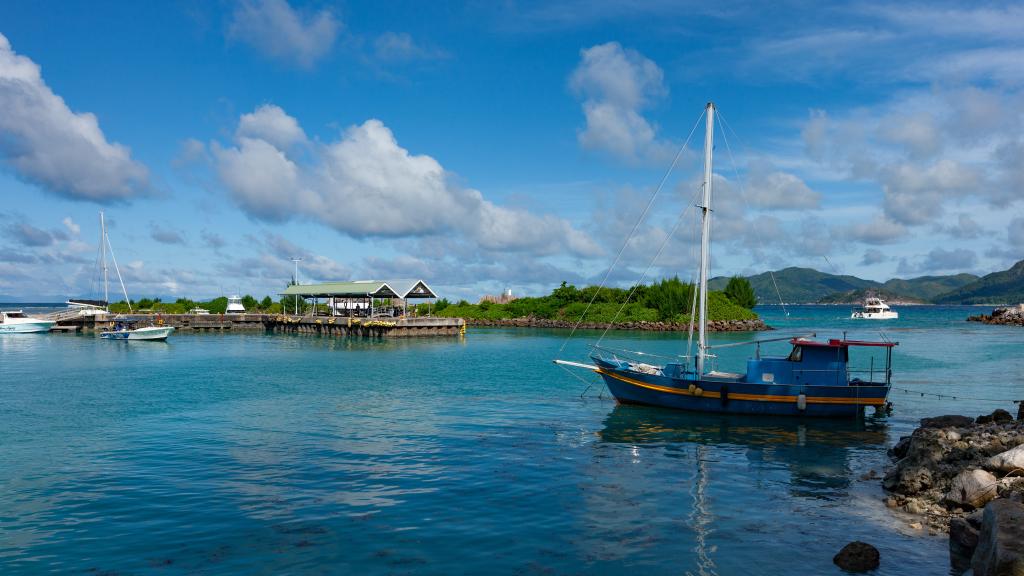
[276, 29]
[616, 84]
[880, 230]
[400, 47]
[1015, 235]
[64, 152]
[270, 123]
[773, 189]
[365, 184]
[75, 229]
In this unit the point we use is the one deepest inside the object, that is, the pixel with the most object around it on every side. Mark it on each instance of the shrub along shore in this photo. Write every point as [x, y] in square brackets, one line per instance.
[661, 306]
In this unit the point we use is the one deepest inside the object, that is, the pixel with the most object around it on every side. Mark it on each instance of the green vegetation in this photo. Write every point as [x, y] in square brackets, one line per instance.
[1006, 287]
[741, 292]
[185, 305]
[668, 300]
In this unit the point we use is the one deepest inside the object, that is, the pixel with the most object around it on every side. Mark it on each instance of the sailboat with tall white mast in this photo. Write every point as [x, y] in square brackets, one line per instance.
[815, 379]
[124, 329]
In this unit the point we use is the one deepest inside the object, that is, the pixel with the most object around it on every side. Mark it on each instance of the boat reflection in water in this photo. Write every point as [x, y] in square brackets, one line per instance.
[816, 452]
[686, 474]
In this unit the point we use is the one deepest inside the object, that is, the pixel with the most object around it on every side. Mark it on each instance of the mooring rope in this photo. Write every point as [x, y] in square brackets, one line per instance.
[956, 397]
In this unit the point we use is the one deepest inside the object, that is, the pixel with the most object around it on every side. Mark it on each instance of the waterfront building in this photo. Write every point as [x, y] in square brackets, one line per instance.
[363, 297]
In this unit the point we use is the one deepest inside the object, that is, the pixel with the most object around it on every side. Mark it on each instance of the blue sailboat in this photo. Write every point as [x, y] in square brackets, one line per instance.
[815, 379]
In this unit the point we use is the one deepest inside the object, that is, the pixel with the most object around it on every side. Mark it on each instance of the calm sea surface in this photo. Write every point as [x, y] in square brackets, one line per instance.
[234, 453]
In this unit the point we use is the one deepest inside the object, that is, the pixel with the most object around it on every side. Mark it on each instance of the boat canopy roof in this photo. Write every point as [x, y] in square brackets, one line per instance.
[837, 343]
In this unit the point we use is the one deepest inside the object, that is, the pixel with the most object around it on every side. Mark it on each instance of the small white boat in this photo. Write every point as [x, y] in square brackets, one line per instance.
[874, 309]
[122, 330]
[199, 311]
[17, 322]
[147, 333]
[235, 305]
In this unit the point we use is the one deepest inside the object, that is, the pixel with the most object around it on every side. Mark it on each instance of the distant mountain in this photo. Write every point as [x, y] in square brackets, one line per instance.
[798, 285]
[928, 287]
[1006, 287]
[807, 285]
[858, 296]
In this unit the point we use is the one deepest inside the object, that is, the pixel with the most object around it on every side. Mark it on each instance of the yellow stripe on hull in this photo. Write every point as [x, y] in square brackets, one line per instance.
[753, 397]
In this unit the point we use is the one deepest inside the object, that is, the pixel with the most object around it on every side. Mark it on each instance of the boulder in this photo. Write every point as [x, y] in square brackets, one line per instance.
[900, 449]
[857, 556]
[1012, 459]
[947, 421]
[1000, 550]
[1020, 411]
[998, 416]
[963, 539]
[972, 488]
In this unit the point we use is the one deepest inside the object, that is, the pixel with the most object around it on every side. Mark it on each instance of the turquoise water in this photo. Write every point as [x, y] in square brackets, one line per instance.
[242, 454]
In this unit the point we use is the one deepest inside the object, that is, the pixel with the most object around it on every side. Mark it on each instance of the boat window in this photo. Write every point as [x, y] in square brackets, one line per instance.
[797, 354]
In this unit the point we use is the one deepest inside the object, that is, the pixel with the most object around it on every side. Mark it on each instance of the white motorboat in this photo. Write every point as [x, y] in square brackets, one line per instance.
[874, 309]
[235, 305]
[147, 333]
[17, 322]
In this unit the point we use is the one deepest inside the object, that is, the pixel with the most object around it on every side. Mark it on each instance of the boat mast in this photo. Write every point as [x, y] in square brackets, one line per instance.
[705, 237]
[103, 256]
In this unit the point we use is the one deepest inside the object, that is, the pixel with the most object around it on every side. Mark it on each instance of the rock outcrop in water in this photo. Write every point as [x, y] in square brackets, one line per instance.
[966, 476]
[713, 325]
[857, 556]
[1009, 315]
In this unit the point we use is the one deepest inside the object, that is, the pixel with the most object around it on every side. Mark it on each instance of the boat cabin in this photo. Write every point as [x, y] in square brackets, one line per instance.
[816, 363]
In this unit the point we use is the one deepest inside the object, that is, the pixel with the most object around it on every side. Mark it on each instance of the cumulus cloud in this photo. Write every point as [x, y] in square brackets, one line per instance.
[46, 143]
[880, 230]
[966, 228]
[772, 189]
[277, 30]
[270, 123]
[365, 184]
[212, 240]
[72, 227]
[616, 84]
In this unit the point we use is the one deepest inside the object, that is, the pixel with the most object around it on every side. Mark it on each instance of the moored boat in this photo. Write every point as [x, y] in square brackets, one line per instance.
[17, 322]
[815, 379]
[874, 308]
[124, 332]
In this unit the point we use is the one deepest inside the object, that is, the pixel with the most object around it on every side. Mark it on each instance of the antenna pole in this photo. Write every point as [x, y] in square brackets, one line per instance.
[705, 237]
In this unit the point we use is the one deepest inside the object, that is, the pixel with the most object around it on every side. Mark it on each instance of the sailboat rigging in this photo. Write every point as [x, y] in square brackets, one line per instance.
[815, 379]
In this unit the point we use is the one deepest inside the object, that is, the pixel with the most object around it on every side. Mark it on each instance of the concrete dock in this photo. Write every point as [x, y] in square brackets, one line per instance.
[340, 326]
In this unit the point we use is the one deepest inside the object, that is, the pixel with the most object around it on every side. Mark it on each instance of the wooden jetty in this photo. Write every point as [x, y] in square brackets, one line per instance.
[340, 326]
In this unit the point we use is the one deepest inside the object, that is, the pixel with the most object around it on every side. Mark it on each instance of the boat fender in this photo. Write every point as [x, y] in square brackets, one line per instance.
[698, 391]
[801, 402]
[724, 394]
[692, 388]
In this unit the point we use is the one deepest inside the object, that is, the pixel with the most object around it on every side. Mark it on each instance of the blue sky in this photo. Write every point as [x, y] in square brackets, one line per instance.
[490, 145]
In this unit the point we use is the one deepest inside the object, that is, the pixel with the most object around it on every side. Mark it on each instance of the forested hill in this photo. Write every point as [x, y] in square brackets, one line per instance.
[807, 285]
[1006, 287]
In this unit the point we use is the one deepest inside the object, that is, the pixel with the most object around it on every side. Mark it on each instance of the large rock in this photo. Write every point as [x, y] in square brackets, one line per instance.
[1000, 549]
[857, 556]
[947, 421]
[998, 416]
[963, 539]
[972, 488]
[1012, 459]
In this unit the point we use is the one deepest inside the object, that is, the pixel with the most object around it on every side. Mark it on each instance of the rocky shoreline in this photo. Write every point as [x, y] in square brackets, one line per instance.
[1007, 315]
[713, 325]
[965, 476]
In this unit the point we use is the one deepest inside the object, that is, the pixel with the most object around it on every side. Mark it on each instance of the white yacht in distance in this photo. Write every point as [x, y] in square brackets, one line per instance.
[874, 309]
[235, 305]
[16, 322]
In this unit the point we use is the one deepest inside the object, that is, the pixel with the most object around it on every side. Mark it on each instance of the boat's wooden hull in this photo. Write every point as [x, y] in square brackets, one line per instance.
[730, 396]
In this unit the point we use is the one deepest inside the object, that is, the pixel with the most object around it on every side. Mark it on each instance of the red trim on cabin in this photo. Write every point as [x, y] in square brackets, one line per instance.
[837, 343]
